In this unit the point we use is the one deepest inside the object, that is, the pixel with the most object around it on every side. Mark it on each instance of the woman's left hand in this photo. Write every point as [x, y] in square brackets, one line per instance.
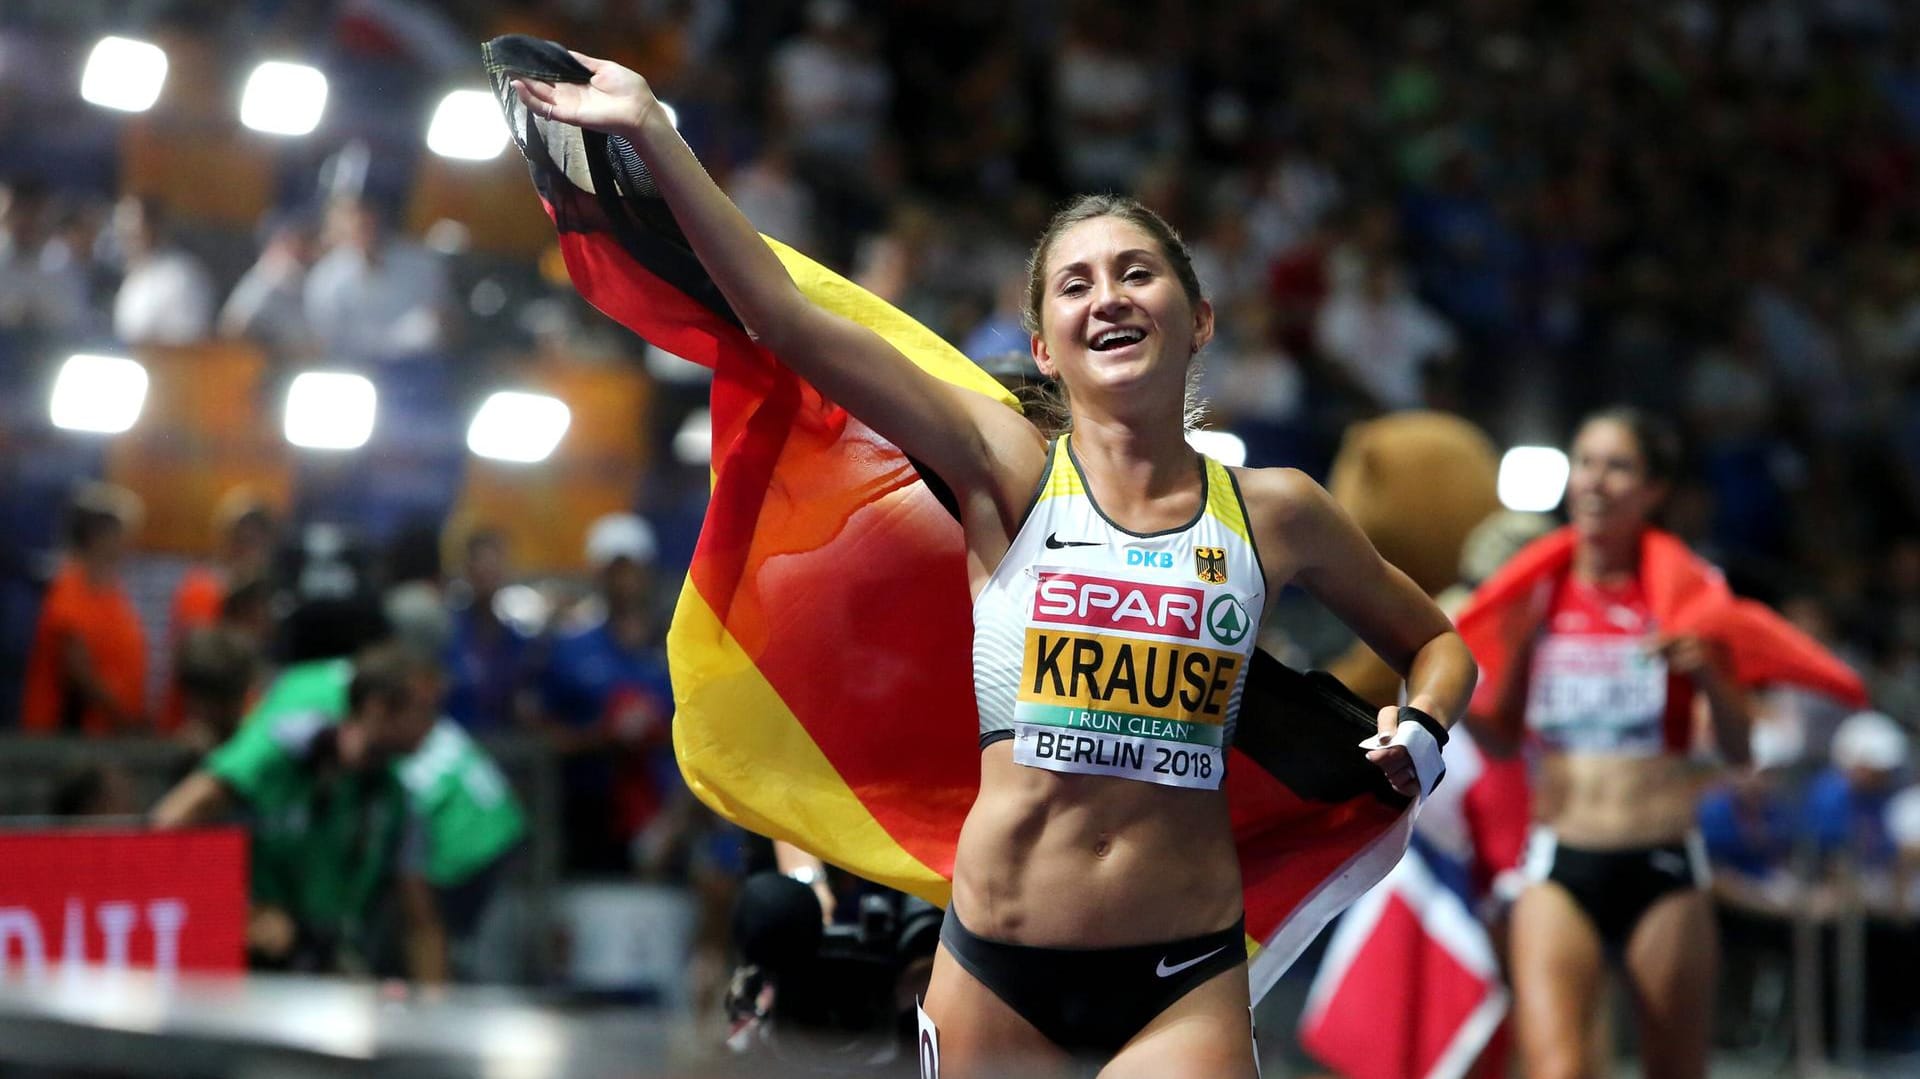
[1393, 761]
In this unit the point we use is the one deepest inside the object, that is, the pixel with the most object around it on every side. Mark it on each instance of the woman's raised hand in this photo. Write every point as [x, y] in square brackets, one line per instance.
[616, 100]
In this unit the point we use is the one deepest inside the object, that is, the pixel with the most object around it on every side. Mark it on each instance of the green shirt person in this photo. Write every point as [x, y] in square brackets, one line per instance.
[332, 825]
[471, 817]
[317, 685]
[469, 813]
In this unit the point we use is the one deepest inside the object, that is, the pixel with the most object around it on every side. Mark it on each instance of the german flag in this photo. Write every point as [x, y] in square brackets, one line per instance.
[821, 649]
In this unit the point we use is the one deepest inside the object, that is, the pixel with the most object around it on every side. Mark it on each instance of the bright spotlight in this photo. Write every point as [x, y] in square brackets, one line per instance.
[1532, 478]
[124, 74]
[1223, 446]
[330, 410]
[693, 442]
[283, 99]
[468, 125]
[102, 394]
[521, 427]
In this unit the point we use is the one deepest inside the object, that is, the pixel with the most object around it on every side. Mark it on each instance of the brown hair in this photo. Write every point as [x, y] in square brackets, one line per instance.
[1086, 208]
[1046, 403]
[1659, 443]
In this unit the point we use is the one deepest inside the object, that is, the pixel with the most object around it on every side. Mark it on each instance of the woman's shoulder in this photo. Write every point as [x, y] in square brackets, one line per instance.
[1280, 495]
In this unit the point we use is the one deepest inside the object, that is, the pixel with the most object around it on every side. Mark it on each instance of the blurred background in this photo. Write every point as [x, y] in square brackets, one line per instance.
[289, 365]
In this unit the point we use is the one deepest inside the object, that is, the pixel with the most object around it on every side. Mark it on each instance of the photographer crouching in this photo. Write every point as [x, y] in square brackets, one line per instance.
[830, 967]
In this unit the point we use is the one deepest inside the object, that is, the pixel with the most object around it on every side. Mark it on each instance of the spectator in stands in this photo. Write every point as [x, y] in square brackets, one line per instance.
[87, 668]
[1381, 340]
[769, 192]
[372, 295]
[607, 705]
[832, 91]
[1108, 99]
[333, 834]
[1846, 805]
[216, 670]
[1856, 816]
[268, 305]
[43, 284]
[166, 297]
[1749, 826]
[244, 535]
[488, 656]
[1903, 826]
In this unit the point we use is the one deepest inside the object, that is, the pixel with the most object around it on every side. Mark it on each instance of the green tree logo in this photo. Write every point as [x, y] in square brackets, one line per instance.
[1228, 621]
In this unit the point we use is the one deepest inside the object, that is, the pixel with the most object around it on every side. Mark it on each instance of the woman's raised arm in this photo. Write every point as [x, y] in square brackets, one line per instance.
[972, 442]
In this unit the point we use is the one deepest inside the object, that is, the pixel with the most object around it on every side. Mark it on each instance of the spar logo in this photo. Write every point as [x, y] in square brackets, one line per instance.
[1227, 620]
[1077, 599]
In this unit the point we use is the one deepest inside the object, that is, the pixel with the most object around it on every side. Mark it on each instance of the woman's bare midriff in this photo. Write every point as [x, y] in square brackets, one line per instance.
[1056, 860]
[1607, 802]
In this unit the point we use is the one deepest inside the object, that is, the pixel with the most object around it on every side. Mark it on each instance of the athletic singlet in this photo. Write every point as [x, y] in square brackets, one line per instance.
[1105, 652]
[1594, 687]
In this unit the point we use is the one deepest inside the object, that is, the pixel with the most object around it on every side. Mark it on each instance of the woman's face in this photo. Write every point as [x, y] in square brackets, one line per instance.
[1609, 492]
[1113, 316]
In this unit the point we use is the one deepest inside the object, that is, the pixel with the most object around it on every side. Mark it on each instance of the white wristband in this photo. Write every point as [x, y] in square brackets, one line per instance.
[1428, 765]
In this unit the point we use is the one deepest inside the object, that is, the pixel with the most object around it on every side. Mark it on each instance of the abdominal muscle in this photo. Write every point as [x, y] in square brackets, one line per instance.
[1052, 859]
[1610, 801]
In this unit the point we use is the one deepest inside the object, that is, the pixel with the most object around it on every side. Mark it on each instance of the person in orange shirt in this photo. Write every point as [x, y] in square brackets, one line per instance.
[243, 528]
[87, 667]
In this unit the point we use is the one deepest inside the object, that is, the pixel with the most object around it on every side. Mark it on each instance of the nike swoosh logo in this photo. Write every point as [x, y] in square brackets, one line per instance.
[1165, 971]
[1054, 542]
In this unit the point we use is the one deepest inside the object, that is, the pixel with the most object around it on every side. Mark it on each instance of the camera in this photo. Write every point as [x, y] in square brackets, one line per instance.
[832, 995]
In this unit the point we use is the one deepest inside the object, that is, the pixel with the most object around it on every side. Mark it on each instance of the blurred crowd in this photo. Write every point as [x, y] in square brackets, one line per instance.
[1514, 211]
[342, 699]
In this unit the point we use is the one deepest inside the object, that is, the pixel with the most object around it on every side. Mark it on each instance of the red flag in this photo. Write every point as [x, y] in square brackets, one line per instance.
[1686, 595]
[821, 647]
[1409, 987]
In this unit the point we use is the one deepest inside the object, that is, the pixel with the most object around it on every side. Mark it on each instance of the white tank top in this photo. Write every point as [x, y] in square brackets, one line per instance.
[1106, 652]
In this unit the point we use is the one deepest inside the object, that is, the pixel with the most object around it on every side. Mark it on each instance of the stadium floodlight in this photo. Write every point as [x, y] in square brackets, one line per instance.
[1532, 478]
[101, 394]
[693, 441]
[330, 410]
[1223, 446]
[519, 427]
[283, 99]
[124, 74]
[467, 125]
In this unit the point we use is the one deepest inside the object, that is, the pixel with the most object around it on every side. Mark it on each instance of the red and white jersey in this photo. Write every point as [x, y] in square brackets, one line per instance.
[1109, 652]
[1596, 684]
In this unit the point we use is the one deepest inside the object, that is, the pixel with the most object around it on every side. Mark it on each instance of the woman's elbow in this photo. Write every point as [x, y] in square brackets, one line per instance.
[781, 323]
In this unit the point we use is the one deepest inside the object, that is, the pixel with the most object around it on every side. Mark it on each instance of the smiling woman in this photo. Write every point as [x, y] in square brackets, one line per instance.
[1609, 690]
[1117, 577]
[1164, 256]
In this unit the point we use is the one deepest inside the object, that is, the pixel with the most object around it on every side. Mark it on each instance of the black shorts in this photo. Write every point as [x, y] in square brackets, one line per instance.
[1616, 887]
[1092, 1001]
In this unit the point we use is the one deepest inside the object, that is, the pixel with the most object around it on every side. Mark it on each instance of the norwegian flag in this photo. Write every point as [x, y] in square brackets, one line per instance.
[1410, 987]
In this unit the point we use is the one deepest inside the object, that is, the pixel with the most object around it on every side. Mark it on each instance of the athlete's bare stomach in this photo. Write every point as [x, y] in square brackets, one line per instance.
[1610, 801]
[1058, 860]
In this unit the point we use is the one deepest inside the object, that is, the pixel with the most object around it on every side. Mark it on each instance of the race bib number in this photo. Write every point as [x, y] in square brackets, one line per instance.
[1100, 704]
[1151, 760]
[1598, 694]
